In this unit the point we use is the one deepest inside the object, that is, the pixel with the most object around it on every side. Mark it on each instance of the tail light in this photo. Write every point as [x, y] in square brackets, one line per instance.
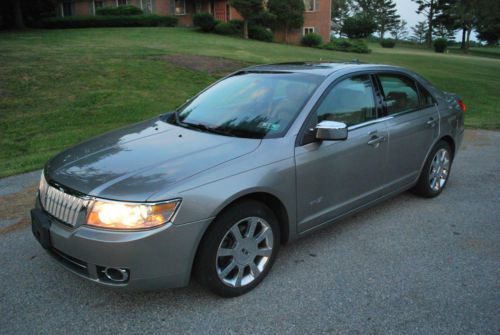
[462, 105]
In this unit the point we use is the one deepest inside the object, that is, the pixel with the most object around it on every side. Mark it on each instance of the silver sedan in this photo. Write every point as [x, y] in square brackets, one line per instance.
[260, 158]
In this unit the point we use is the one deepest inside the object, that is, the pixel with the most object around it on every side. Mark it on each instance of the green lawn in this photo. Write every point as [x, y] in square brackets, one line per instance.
[59, 87]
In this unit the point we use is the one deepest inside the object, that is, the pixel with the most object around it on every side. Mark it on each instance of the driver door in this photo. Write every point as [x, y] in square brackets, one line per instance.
[335, 177]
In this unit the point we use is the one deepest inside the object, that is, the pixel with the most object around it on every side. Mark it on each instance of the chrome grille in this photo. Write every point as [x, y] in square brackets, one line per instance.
[62, 206]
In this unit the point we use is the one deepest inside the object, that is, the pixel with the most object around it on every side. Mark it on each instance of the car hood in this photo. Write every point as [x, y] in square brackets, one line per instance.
[134, 163]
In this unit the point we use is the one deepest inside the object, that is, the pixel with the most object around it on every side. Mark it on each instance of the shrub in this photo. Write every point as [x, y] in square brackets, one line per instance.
[237, 25]
[312, 40]
[346, 45]
[110, 21]
[440, 45]
[388, 43]
[260, 33]
[359, 26]
[205, 21]
[225, 28]
[119, 11]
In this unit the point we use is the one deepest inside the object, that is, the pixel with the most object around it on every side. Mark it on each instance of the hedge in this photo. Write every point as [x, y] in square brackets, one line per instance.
[205, 21]
[388, 43]
[110, 21]
[260, 33]
[440, 45]
[347, 45]
[119, 11]
[312, 40]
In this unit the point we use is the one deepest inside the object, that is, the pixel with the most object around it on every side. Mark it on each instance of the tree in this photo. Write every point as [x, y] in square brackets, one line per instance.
[359, 26]
[340, 11]
[444, 31]
[431, 9]
[460, 14]
[247, 9]
[289, 13]
[399, 31]
[385, 14]
[420, 32]
[488, 21]
[20, 13]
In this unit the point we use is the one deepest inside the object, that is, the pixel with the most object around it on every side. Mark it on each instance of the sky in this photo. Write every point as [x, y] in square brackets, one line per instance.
[407, 8]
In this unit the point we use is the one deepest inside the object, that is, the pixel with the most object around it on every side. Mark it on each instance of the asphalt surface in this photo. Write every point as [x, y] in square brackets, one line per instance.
[408, 265]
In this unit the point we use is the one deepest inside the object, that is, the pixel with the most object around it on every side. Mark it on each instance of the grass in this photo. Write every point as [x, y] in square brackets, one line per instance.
[60, 87]
[491, 52]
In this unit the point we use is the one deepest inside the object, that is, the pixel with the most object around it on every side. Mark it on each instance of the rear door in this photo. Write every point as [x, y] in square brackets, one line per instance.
[335, 177]
[413, 126]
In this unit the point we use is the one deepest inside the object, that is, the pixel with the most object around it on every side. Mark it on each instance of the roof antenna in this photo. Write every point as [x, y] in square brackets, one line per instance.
[355, 61]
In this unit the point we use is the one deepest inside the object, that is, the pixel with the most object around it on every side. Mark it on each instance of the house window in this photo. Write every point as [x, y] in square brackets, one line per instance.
[180, 7]
[121, 2]
[98, 4]
[308, 30]
[67, 9]
[310, 5]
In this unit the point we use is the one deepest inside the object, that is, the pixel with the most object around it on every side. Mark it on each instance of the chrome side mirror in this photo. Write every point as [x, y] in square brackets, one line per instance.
[331, 131]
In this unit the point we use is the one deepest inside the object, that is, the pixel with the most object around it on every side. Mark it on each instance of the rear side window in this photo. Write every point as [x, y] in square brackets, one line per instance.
[350, 101]
[426, 98]
[400, 93]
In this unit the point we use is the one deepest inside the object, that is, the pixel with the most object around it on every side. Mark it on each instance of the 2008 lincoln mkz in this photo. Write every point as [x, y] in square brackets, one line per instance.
[258, 159]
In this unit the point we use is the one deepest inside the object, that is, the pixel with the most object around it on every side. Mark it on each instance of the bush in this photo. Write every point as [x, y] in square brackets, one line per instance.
[205, 21]
[225, 28]
[346, 45]
[237, 25]
[260, 33]
[440, 45]
[387, 43]
[312, 40]
[110, 21]
[359, 26]
[119, 11]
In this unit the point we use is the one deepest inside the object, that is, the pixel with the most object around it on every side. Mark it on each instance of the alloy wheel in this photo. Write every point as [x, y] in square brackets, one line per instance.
[244, 252]
[439, 170]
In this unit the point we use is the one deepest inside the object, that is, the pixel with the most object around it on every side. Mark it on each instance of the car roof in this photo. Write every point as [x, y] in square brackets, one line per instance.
[318, 68]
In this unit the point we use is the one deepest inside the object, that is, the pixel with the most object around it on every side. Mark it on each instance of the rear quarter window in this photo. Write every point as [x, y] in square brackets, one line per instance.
[400, 93]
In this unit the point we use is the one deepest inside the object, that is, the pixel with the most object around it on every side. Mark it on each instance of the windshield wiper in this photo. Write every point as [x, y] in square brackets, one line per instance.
[205, 128]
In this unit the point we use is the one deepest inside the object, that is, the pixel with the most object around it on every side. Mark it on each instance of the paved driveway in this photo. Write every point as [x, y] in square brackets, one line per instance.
[408, 265]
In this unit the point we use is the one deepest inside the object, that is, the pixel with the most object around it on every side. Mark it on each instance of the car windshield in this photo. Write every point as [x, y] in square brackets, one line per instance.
[252, 105]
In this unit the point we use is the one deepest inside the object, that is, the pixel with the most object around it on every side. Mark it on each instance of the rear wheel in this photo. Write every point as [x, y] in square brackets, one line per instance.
[436, 171]
[238, 250]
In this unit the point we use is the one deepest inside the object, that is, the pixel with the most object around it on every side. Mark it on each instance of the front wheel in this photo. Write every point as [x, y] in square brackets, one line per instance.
[436, 171]
[238, 249]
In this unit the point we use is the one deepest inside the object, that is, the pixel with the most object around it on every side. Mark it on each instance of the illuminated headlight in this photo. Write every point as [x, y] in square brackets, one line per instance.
[130, 216]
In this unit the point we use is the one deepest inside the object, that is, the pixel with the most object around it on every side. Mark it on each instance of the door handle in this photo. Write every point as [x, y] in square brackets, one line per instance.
[431, 122]
[376, 140]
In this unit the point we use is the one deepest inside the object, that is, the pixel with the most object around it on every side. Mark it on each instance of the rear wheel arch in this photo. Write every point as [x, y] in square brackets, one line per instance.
[451, 142]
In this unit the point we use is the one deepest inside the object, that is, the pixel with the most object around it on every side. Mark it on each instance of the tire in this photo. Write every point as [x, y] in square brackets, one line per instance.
[224, 261]
[436, 172]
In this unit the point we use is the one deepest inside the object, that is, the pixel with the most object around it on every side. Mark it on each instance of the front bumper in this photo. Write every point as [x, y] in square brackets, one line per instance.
[155, 259]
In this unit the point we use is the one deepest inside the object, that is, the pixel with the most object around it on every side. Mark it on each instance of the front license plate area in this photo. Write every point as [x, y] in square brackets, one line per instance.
[40, 226]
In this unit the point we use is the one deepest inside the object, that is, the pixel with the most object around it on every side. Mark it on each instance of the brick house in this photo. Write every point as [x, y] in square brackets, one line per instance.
[317, 17]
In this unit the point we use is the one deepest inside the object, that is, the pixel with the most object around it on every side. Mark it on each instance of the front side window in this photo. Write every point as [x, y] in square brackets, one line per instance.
[180, 7]
[400, 93]
[251, 105]
[310, 5]
[351, 101]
